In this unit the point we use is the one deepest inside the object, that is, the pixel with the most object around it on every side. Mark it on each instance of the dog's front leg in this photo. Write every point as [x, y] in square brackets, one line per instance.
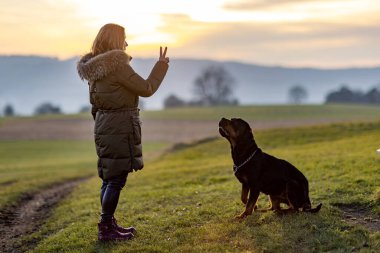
[244, 193]
[253, 196]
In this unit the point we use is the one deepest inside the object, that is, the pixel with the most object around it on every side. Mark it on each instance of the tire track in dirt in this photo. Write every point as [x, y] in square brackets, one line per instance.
[357, 215]
[29, 214]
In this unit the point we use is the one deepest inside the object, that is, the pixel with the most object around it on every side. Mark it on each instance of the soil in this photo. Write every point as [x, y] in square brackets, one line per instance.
[357, 215]
[174, 131]
[29, 214]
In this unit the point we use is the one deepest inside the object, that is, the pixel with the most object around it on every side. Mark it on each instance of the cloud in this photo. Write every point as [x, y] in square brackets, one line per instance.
[311, 43]
[323, 34]
[265, 4]
[183, 27]
[42, 27]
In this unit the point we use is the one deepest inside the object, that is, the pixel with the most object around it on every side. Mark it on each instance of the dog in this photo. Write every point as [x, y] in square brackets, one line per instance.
[260, 172]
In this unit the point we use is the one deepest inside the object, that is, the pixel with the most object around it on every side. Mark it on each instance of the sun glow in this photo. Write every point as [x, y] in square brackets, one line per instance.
[231, 28]
[145, 24]
[142, 19]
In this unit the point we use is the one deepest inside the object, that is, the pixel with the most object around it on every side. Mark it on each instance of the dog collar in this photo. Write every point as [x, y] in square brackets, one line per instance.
[237, 168]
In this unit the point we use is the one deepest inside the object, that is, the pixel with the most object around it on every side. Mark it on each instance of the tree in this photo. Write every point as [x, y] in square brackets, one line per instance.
[173, 101]
[345, 95]
[214, 86]
[297, 94]
[47, 108]
[373, 96]
[9, 111]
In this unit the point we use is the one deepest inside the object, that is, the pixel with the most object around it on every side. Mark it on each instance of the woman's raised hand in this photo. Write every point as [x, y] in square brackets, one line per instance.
[163, 55]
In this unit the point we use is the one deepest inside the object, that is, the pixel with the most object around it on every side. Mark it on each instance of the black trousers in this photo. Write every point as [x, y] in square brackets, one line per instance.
[109, 197]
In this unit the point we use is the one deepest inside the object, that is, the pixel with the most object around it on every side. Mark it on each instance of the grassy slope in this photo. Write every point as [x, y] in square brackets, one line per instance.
[28, 166]
[185, 200]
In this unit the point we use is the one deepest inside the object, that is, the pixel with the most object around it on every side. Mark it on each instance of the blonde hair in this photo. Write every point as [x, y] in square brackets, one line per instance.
[110, 37]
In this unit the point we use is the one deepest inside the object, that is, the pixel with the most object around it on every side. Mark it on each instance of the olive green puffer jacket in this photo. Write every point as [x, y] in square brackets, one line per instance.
[114, 89]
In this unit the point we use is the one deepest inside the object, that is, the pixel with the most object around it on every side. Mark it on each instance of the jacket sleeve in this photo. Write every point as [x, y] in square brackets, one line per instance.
[144, 88]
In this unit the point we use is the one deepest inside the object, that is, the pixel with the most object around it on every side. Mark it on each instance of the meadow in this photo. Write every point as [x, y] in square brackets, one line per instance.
[273, 113]
[251, 112]
[185, 198]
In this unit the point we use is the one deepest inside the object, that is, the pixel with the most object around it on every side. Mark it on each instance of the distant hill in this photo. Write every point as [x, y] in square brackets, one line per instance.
[27, 81]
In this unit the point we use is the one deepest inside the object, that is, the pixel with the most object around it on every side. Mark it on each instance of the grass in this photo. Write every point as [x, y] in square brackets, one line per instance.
[349, 112]
[270, 112]
[184, 201]
[29, 166]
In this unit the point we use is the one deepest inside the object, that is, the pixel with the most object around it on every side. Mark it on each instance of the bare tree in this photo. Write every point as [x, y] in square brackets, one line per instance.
[214, 86]
[297, 94]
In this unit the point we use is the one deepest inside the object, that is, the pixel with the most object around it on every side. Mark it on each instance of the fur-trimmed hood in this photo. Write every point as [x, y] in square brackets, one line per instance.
[92, 68]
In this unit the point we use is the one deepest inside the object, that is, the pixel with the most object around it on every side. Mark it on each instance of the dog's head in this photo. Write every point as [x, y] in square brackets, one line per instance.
[235, 130]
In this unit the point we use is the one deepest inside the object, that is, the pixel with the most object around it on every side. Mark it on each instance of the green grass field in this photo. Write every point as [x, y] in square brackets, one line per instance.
[185, 198]
[270, 113]
[184, 201]
[250, 112]
[29, 166]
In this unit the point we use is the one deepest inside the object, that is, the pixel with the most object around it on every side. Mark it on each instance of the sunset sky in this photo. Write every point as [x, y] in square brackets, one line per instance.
[321, 33]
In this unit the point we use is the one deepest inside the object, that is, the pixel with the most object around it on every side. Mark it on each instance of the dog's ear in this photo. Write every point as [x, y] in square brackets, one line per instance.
[248, 126]
[245, 123]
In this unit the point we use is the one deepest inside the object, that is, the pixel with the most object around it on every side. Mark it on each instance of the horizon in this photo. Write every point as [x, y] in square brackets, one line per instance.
[308, 33]
[207, 59]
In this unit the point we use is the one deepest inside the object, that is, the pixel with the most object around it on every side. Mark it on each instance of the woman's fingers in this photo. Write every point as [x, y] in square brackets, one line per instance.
[163, 55]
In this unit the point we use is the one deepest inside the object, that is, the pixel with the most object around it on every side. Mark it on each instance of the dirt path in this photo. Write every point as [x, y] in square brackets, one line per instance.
[29, 214]
[46, 129]
[359, 216]
[175, 131]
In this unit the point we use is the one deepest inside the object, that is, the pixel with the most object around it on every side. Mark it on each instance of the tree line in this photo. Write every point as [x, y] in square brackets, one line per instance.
[346, 95]
[215, 86]
[42, 109]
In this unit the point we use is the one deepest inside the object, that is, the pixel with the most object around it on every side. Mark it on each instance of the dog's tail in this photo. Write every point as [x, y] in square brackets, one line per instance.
[313, 210]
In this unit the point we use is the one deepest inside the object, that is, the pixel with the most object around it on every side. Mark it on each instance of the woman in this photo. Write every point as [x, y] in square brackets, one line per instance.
[114, 94]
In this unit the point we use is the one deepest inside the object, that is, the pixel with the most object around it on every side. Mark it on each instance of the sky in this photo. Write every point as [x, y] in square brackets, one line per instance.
[299, 33]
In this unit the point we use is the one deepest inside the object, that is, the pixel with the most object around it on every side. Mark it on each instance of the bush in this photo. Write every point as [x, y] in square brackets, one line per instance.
[173, 101]
[47, 108]
[9, 111]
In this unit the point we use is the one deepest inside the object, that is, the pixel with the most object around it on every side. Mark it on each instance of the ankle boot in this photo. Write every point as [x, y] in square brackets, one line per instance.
[107, 233]
[122, 229]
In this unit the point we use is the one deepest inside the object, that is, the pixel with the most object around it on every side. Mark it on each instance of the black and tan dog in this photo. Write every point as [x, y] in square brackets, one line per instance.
[260, 172]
